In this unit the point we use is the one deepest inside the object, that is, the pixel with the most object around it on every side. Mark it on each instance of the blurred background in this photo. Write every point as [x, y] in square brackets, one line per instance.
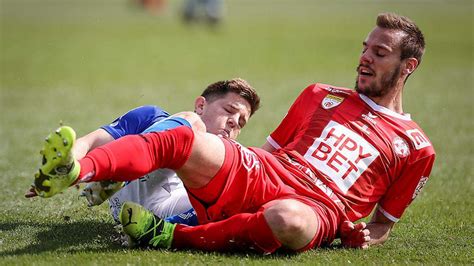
[87, 62]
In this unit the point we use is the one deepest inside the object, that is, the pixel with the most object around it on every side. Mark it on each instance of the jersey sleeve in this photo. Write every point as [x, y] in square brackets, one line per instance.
[289, 126]
[405, 188]
[167, 123]
[135, 121]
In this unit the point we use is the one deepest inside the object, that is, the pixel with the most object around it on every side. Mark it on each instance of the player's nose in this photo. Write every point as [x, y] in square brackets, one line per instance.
[365, 57]
[231, 123]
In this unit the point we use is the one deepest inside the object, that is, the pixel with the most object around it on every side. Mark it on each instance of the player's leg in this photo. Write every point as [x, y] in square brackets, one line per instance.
[175, 203]
[296, 224]
[292, 222]
[197, 155]
[244, 231]
[161, 192]
[59, 168]
[280, 223]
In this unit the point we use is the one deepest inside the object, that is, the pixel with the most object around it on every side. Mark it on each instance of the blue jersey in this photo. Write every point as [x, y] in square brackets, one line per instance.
[135, 121]
[146, 119]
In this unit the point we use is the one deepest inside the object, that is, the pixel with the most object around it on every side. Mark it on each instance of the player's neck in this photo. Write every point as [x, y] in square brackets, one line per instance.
[391, 101]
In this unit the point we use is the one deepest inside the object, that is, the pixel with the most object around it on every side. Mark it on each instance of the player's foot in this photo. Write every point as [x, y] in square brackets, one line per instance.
[144, 228]
[59, 169]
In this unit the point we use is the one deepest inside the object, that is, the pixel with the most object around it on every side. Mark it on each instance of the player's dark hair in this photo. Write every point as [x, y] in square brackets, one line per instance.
[413, 44]
[236, 85]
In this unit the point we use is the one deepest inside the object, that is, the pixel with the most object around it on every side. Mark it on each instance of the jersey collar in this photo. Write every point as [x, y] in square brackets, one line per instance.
[381, 109]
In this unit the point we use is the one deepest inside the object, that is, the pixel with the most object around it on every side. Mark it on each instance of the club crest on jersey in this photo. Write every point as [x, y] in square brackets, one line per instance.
[331, 101]
[400, 147]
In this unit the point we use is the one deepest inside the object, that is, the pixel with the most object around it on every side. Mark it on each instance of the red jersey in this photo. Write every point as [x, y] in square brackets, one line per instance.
[360, 151]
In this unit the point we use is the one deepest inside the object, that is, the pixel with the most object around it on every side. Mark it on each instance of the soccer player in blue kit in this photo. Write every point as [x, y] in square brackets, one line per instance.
[224, 107]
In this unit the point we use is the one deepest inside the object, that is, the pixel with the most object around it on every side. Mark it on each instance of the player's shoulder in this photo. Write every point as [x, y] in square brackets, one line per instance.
[419, 140]
[149, 109]
[150, 113]
[324, 89]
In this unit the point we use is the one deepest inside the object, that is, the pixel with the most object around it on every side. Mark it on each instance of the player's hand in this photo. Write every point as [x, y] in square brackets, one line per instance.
[354, 235]
[30, 193]
[97, 192]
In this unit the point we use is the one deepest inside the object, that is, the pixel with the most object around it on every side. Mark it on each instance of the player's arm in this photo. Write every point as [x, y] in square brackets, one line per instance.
[193, 119]
[82, 146]
[268, 147]
[400, 194]
[90, 141]
[379, 228]
[362, 235]
[134, 121]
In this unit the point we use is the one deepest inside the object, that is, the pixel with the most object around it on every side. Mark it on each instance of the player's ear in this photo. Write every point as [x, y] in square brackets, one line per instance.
[199, 104]
[410, 65]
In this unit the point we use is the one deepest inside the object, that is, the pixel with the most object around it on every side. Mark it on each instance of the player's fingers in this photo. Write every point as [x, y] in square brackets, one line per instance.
[366, 232]
[30, 193]
[366, 238]
[365, 246]
[347, 226]
[360, 226]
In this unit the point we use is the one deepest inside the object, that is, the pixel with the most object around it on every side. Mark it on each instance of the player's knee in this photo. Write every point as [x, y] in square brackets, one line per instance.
[291, 223]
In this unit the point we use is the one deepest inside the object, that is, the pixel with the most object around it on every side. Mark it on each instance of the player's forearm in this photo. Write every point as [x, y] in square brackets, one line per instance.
[379, 232]
[80, 149]
[90, 141]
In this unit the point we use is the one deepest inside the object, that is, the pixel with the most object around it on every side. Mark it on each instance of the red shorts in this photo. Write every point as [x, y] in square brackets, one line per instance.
[249, 180]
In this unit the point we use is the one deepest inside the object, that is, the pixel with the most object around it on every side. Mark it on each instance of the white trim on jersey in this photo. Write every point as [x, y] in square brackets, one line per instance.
[273, 142]
[388, 215]
[382, 109]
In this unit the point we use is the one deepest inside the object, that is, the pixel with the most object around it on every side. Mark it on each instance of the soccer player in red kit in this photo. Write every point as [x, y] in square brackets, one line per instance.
[335, 156]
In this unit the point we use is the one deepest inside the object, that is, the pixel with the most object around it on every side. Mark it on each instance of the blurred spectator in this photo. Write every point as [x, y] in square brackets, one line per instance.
[211, 9]
[155, 7]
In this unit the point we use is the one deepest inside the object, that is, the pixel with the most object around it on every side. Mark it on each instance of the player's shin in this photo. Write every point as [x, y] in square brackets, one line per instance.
[240, 232]
[131, 157]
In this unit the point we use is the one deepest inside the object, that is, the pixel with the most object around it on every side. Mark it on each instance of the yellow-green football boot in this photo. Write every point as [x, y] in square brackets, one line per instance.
[59, 169]
[144, 228]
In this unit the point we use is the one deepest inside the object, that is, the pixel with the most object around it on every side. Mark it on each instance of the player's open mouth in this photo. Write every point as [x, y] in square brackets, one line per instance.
[365, 71]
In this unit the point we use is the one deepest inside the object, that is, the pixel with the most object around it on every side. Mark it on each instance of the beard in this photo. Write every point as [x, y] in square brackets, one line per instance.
[387, 83]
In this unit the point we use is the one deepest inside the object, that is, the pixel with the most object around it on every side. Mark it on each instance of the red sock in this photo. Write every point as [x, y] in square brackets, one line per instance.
[133, 156]
[245, 231]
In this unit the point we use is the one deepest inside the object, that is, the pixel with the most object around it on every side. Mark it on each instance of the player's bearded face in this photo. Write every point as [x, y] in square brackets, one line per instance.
[380, 65]
[379, 86]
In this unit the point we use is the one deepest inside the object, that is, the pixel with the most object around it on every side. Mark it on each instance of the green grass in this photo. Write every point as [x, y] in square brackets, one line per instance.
[86, 62]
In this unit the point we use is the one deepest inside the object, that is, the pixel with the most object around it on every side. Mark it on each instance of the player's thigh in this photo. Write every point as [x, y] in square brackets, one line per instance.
[177, 203]
[207, 157]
